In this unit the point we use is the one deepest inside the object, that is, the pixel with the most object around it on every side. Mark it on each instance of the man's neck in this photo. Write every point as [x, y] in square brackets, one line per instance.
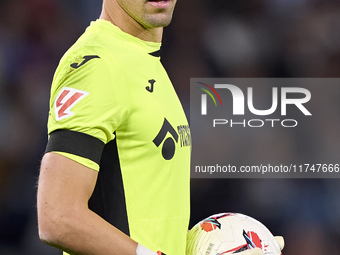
[116, 15]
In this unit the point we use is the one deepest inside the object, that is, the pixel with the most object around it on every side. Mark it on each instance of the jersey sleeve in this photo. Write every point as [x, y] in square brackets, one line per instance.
[88, 97]
[84, 161]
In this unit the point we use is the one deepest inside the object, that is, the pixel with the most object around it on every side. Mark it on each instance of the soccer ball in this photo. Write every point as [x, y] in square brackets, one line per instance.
[230, 233]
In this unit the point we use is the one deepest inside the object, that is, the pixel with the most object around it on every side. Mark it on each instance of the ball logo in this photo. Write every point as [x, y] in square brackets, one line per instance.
[253, 240]
[210, 224]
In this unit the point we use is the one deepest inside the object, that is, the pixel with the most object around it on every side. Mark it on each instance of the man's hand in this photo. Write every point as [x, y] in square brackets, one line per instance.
[280, 241]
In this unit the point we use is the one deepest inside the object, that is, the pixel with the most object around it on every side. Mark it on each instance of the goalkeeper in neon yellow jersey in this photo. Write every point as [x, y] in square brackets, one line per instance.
[115, 176]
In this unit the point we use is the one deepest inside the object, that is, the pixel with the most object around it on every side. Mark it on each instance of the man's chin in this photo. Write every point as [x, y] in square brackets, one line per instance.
[158, 20]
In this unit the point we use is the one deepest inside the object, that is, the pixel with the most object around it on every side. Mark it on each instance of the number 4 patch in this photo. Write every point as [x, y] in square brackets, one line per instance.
[66, 99]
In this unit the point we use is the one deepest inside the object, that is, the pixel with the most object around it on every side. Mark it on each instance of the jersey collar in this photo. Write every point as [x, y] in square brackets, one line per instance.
[152, 48]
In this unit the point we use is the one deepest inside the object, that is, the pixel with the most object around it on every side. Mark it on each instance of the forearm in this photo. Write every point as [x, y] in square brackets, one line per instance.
[84, 232]
[63, 216]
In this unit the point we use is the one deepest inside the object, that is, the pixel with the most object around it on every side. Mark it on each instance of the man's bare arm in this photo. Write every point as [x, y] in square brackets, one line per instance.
[64, 218]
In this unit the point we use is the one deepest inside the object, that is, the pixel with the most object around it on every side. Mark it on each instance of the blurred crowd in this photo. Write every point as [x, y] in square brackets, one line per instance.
[236, 38]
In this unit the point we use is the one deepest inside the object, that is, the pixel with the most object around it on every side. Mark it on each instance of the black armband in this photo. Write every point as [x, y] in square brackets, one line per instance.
[76, 143]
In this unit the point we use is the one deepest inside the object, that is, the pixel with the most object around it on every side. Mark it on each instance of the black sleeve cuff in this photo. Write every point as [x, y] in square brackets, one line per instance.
[76, 143]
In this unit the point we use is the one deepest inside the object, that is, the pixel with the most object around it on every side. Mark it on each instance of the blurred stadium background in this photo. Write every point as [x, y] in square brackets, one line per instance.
[218, 38]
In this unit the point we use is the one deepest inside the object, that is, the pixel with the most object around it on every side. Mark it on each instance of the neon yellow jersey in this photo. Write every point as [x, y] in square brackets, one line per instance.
[113, 108]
